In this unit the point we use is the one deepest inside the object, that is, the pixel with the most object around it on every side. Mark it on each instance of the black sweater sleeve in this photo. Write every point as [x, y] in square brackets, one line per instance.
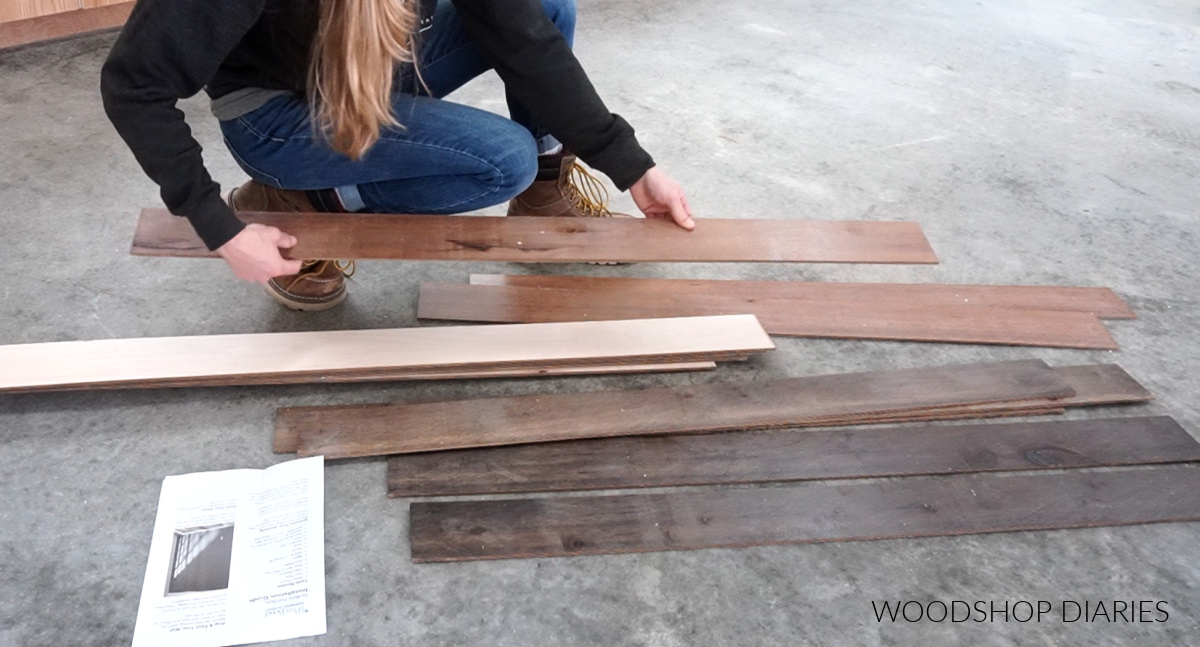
[542, 74]
[168, 50]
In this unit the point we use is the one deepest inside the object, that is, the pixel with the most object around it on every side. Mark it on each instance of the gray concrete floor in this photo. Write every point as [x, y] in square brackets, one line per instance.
[1039, 143]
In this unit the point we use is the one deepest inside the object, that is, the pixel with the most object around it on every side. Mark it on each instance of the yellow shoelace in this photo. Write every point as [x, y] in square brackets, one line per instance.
[587, 192]
[346, 268]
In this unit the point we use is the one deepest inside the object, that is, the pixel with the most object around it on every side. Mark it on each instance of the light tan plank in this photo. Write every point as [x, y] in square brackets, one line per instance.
[322, 356]
[61, 25]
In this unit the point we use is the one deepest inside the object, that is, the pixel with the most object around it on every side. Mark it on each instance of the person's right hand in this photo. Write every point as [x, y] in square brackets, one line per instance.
[253, 254]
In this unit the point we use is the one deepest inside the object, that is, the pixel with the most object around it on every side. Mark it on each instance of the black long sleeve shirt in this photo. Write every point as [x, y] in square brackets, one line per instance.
[171, 49]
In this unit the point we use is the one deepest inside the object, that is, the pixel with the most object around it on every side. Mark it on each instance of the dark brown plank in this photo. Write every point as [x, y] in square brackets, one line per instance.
[529, 239]
[343, 432]
[287, 439]
[1094, 385]
[846, 318]
[61, 25]
[1099, 384]
[802, 513]
[1102, 302]
[766, 456]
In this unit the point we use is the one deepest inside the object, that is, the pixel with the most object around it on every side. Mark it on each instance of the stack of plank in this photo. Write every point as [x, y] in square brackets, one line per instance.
[983, 314]
[653, 438]
[688, 343]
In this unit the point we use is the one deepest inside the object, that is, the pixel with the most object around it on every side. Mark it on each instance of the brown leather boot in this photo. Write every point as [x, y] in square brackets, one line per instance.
[321, 284]
[563, 188]
[256, 196]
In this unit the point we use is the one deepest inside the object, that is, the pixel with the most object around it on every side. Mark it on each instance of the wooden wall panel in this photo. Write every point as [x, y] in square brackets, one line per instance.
[844, 318]
[272, 358]
[61, 25]
[531, 239]
[776, 456]
[344, 432]
[802, 513]
[1102, 302]
[11, 10]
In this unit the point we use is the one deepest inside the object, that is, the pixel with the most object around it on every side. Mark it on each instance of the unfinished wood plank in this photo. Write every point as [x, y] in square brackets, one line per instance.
[359, 354]
[850, 318]
[11, 10]
[343, 432]
[461, 373]
[1102, 302]
[60, 25]
[775, 456]
[802, 513]
[532, 239]
[680, 363]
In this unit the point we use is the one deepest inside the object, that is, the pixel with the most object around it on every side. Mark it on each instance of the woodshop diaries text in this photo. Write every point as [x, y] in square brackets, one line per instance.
[1128, 611]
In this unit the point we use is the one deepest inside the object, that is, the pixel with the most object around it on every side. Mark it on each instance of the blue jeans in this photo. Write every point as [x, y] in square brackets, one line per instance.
[447, 157]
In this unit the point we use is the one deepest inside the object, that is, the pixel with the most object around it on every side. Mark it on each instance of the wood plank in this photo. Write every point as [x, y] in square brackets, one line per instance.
[531, 239]
[1094, 385]
[1102, 302]
[344, 432]
[802, 513]
[1099, 384]
[287, 439]
[404, 374]
[359, 354]
[851, 318]
[409, 374]
[777, 456]
[61, 25]
[11, 10]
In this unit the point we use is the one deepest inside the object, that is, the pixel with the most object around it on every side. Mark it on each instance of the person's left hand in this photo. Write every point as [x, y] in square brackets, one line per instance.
[658, 196]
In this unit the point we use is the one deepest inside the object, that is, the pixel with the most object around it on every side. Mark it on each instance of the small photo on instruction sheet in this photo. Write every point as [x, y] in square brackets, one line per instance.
[200, 559]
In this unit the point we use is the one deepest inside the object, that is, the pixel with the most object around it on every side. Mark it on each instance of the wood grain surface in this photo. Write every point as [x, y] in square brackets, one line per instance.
[844, 318]
[1102, 302]
[343, 432]
[272, 358]
[800, 513]
[1097, 384]
[768, 456]
[286, 439]
[60, 25]
[532, 239]
[11, 10]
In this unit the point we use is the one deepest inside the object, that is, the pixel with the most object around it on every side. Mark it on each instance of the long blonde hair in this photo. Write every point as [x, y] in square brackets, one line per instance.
[357, 46]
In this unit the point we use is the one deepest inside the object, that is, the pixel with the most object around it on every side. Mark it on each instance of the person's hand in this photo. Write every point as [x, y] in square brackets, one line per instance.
[658, 196]
[253, 254]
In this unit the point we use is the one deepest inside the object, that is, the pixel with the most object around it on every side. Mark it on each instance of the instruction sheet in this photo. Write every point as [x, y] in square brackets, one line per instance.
[236, 557]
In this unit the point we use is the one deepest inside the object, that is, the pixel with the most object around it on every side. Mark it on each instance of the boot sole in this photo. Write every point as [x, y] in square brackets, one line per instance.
[307, 306]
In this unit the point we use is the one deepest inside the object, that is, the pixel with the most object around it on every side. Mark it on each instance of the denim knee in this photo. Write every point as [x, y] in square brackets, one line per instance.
[562, 14]
[517, 167]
